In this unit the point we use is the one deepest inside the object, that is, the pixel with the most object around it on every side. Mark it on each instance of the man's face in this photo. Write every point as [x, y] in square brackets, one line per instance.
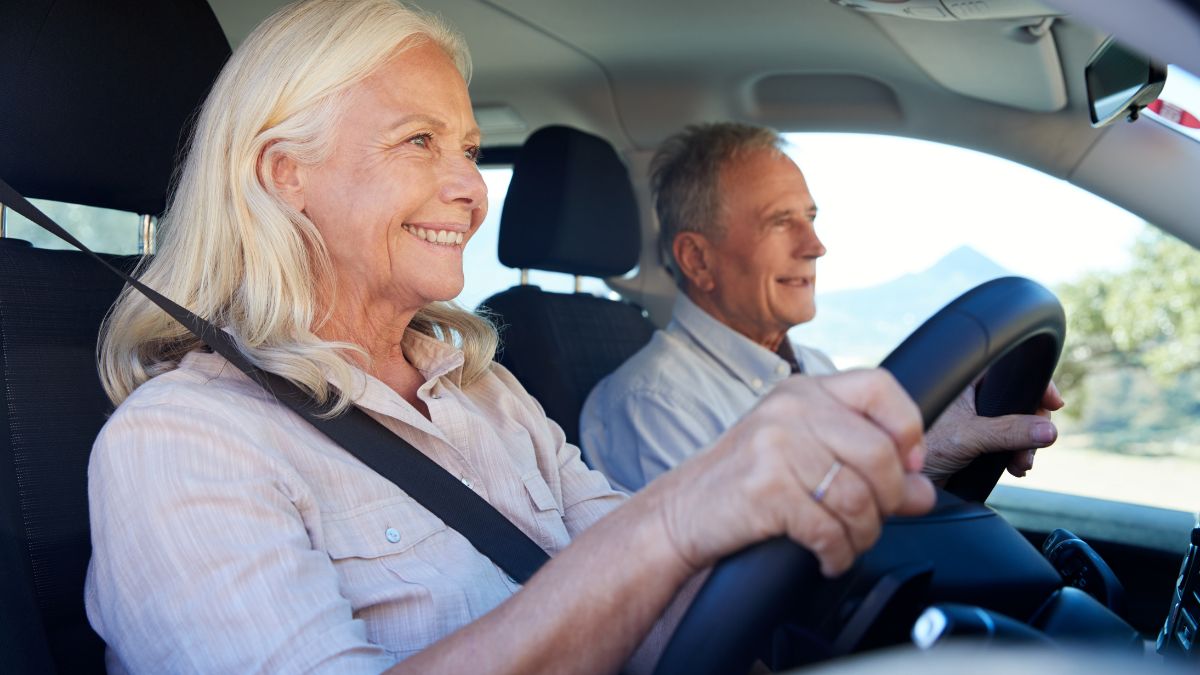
[764, 266]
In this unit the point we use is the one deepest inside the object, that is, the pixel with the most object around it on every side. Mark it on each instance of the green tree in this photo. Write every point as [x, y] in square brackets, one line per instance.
[1145, 319]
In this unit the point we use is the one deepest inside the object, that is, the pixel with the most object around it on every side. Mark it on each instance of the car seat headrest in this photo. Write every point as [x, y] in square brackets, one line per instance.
[570, 207]
[94, 96]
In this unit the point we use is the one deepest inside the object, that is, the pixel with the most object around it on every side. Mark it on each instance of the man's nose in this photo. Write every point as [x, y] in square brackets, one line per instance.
[808, 244]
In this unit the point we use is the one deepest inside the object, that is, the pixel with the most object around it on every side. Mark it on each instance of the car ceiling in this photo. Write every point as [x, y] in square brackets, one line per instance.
[634, 72]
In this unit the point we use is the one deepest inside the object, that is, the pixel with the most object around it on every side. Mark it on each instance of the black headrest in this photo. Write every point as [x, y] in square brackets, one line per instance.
[94, 96]
[570, 207]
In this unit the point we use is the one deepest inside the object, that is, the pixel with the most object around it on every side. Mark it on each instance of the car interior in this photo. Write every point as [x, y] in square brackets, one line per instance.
[95, 103]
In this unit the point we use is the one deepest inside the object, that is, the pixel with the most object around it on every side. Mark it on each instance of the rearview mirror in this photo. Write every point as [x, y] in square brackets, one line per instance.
[1121, 82]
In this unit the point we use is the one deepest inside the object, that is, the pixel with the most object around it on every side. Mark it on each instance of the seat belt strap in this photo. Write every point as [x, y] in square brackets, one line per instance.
[432, 486]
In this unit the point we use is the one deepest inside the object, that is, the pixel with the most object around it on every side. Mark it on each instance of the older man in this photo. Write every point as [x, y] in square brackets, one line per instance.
[737, 232]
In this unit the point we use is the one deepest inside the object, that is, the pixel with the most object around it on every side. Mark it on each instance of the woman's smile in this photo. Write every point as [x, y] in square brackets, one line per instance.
[436, 235]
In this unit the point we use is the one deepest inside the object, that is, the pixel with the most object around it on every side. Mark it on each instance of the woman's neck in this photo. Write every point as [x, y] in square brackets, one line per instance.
[379, 329]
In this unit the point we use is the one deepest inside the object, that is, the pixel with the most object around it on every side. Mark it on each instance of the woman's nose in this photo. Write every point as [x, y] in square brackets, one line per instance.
[462, 183]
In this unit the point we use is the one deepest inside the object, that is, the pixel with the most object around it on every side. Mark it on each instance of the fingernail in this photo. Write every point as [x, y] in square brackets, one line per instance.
[1044, 433]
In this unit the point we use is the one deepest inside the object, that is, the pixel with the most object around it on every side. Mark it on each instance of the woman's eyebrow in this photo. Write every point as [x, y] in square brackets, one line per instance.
[432, 122]
[422, 118]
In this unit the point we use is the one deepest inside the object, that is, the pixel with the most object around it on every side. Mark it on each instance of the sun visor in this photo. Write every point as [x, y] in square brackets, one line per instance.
[1013, 62]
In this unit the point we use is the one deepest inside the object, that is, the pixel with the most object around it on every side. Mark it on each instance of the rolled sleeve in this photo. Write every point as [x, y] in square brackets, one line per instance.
[193, 503]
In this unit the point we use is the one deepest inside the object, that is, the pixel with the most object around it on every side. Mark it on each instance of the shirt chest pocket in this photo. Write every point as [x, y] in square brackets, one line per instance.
[397, 562]
[546, 513]
[381, 529]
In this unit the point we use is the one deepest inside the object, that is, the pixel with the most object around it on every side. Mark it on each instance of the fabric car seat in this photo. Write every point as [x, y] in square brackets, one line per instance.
[94, 98]
[570, 208]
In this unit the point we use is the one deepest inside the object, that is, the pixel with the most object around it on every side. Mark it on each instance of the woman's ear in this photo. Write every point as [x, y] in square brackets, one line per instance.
[286, 178]
[694, 256]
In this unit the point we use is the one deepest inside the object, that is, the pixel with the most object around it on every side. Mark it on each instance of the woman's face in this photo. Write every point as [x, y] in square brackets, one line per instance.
[400, 194]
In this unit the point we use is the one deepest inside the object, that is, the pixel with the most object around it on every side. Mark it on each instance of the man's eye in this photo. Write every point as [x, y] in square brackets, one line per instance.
[421, 140]
[474, 153]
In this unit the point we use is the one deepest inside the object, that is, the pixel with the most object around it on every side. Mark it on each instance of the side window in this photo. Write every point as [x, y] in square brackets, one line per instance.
[102, 230]
[942, 220]
[484, 273]
[121, 232]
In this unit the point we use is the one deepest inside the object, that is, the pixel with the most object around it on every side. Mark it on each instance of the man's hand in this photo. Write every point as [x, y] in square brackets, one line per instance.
[960, 435]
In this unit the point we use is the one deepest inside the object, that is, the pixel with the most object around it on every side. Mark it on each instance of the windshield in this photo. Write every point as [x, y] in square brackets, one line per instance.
[1178, 107]
[916, 223]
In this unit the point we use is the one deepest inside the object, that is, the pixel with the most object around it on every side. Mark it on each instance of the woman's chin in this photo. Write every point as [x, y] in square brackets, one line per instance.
[445, 294]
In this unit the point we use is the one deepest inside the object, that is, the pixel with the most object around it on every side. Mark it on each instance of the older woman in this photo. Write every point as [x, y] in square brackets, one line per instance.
[320, 219]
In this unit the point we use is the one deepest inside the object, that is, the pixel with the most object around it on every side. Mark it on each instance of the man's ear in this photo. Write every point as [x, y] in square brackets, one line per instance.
[694, 256]
[286, 177]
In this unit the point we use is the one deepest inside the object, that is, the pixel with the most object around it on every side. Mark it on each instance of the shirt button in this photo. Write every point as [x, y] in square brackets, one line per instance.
[466, 481]
[757, 383]
[783, 369]
[436, 396]
[392, 534]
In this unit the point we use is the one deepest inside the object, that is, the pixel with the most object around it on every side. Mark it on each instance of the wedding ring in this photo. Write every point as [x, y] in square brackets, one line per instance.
[818, 493]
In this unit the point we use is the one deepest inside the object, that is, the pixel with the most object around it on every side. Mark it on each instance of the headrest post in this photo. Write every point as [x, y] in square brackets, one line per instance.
[578, 284]
[147, 234]
[524, 277]
[3, 221]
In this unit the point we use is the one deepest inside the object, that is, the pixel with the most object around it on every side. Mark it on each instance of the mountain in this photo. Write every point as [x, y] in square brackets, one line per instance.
[860, 326]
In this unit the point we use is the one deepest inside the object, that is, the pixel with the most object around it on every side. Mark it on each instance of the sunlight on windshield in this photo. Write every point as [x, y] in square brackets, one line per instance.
[910, 225]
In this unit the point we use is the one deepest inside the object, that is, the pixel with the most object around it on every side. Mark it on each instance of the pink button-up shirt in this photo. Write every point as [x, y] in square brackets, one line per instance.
[231, 536]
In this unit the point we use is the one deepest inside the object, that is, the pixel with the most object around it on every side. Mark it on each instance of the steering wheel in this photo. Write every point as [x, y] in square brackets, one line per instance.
[1013, 325]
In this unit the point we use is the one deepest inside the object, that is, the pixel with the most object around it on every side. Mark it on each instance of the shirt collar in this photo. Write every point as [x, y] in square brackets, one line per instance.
[435, 359]
[756, 366]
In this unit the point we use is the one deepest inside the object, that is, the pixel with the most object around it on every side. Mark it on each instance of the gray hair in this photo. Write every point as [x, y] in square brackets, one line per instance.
[685, 175]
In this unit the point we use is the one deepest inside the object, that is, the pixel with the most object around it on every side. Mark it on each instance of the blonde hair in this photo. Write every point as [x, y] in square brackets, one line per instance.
[235, 252]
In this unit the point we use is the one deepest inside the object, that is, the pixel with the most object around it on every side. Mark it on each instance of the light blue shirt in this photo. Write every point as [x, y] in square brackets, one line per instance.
[677, 394]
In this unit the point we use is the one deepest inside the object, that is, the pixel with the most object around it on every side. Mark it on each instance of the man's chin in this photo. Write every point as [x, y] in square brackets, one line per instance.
[802, 316]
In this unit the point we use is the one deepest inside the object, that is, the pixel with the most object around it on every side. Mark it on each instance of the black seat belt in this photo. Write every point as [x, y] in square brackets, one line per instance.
[387, 454]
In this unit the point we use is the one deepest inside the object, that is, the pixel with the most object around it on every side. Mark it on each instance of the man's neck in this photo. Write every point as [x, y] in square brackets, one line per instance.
[768, 339]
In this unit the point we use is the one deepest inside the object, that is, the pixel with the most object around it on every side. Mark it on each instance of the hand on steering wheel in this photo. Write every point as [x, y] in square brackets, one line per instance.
[826, 478]
[960, 435]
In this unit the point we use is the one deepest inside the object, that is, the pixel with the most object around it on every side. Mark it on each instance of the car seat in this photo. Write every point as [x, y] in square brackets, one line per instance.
[94, 98]
[570, 208]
